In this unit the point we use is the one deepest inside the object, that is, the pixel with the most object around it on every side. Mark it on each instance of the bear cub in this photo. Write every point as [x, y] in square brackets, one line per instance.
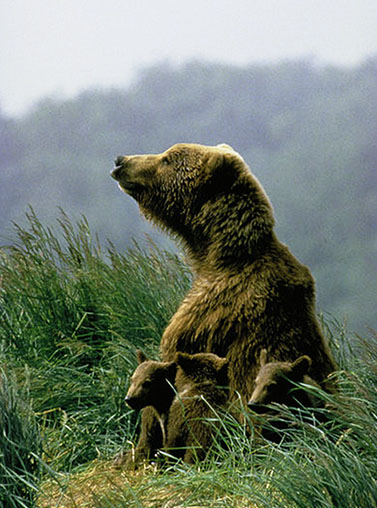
[184, 394]
[202, 389]
[278, 383]
[152, 384]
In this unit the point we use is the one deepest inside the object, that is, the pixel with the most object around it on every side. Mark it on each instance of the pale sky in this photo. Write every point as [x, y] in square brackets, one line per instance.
[60, 47]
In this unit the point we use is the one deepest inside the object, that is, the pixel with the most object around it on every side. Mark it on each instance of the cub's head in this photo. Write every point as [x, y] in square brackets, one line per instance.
[172, 186]
[201, 367]
[274, 381]
[151, 384]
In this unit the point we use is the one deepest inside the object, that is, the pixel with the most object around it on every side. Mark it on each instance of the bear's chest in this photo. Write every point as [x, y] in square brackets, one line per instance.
[212, 315]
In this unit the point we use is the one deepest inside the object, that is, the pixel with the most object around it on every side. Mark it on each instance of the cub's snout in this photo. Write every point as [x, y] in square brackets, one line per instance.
[133, 402]
[257, 407]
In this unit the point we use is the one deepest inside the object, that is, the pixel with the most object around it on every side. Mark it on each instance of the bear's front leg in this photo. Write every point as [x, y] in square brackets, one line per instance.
[150, 441]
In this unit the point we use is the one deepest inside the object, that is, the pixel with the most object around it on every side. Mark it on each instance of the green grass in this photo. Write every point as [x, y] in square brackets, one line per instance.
[72, 315]
[20, 447]
[71, 320]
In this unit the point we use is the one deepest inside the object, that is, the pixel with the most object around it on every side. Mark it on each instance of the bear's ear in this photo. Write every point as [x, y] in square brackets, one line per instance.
[300, 367]
[171, 369]
[224, 146]
[184, 360]
[222, 370]
[222, 159]
[213, 161]
[263, 357]
[141, 358]
[221, 363]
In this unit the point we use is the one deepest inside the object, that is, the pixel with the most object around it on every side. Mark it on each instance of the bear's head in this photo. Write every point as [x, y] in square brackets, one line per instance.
[151, 384]
[201, 368]
[200, 193]
[168, 186]
[275, 382]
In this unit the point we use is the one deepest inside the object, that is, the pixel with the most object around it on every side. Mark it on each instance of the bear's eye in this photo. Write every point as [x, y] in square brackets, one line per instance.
[165, 161]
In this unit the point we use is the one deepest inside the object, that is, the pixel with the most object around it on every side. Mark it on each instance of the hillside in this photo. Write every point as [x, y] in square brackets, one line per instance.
[72, 316]
[308, 133]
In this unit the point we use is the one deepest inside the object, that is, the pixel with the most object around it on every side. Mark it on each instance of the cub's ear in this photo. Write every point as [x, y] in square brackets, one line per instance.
[141, 358]
[301, 366]
[221, 363]
[171, 369]
[263, 357]
[183, 360]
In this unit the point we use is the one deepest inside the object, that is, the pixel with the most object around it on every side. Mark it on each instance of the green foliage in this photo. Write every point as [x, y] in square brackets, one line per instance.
[20, 447]
[71, 321]
[72, 316]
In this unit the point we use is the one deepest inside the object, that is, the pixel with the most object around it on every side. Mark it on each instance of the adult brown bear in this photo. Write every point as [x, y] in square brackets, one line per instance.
[249, 292]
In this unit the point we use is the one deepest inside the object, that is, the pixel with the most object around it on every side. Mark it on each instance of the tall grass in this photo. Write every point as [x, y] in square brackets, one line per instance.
[71, 319]
[20, 447]
[72, 316]
[325, 460]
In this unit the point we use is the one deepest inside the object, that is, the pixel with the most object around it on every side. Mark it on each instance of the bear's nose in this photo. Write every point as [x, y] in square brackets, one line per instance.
[119, 160]
[119, 164]
[130, 401]
[115, 172]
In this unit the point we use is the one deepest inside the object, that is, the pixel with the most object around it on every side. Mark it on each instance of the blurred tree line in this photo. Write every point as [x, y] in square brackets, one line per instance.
[307, 132]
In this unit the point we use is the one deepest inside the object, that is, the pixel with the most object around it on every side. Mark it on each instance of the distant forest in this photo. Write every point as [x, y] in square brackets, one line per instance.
[308, 132]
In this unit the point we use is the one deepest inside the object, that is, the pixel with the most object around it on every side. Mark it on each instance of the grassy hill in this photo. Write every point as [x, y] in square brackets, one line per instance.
[73, 311]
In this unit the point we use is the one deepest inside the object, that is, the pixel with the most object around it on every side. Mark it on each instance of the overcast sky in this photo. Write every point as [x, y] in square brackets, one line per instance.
[59, 47]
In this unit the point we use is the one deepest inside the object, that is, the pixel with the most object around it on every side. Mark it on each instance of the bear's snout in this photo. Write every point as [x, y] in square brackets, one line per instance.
[119, 163]
[257, 407]
[133, 402]
[119, 160]
[126, 174]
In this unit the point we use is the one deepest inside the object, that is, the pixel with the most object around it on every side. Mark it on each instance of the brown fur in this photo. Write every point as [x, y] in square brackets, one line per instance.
[279, 383]
[152, 384]
[249, 291]
[201, 385]
[276, 382]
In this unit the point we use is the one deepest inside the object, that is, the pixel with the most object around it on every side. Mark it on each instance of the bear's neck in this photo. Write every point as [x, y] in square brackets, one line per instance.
[231, 232]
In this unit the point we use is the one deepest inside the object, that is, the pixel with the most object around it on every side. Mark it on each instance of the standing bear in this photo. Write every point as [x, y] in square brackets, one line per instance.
[249, 291]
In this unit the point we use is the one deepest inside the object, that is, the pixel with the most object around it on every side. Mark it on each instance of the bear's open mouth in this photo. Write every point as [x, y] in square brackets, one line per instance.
[258, 408]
